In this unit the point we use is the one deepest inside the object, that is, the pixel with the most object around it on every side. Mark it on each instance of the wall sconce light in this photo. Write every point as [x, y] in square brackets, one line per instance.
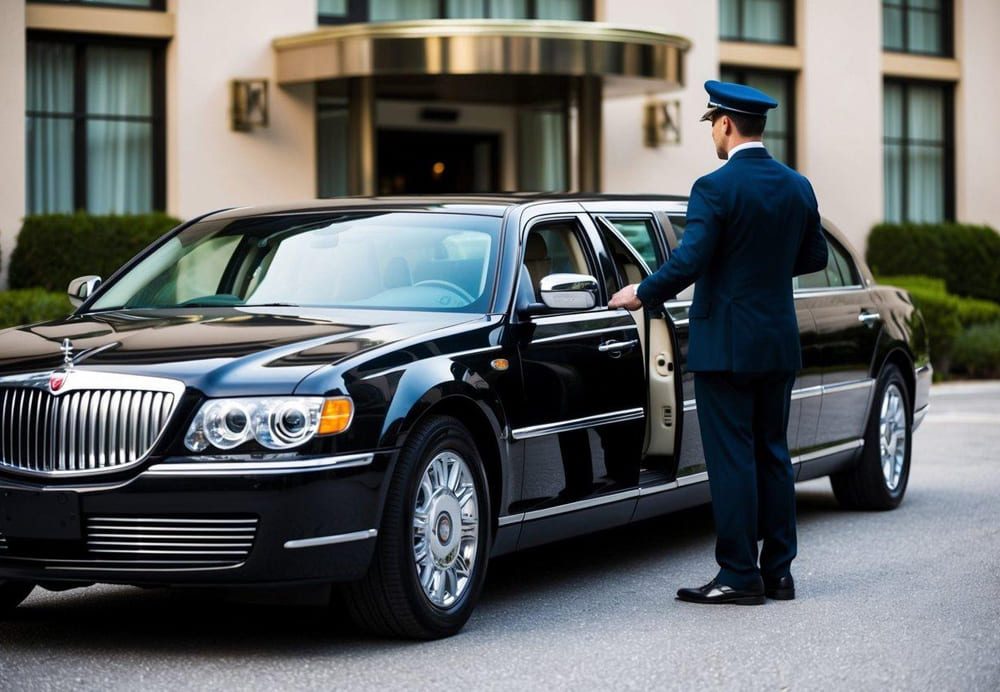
[662, 123]
[249, 104]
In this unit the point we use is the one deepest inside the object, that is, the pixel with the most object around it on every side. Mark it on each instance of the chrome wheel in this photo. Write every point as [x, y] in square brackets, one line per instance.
[892, 436]
[445, 528]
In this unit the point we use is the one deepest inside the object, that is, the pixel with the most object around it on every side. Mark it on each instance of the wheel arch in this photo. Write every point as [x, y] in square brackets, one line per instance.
[900, 356]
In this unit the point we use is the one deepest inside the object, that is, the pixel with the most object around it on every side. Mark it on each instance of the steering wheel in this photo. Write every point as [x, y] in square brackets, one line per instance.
[454, 288]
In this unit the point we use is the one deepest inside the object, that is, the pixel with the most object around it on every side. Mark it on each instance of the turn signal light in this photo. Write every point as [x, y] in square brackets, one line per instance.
[336, 416]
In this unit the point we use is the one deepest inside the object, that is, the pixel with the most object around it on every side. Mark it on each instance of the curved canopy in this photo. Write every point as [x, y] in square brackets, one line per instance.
[629, 60]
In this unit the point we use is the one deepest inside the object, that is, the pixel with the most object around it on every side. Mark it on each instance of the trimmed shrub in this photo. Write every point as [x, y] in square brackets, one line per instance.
[977, 351]
[31, 305]
[54, 249]
[944, 314]
[966, 257]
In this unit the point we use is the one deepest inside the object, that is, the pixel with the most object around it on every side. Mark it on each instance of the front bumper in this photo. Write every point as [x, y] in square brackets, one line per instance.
[186, 521]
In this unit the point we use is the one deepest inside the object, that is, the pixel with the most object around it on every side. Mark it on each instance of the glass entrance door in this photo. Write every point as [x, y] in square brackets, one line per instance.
[430, 162]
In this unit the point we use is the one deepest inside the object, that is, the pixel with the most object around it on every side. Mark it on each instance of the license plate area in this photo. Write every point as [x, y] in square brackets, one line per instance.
[37, 515]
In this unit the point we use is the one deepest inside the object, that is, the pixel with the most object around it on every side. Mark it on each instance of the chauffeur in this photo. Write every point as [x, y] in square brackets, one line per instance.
[752, 225]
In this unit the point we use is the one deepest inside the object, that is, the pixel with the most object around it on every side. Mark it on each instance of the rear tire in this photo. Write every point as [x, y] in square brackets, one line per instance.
[434, 541]
[879, 481]
[12, 594]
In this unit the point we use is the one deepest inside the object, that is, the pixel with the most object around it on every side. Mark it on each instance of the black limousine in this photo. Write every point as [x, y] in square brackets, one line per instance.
[384, 393]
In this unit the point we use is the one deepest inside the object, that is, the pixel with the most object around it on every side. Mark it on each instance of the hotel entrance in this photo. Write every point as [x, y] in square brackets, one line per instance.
[445, 106]
[422, 162]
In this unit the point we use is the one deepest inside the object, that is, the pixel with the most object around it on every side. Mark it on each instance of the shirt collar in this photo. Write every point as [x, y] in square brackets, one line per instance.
[744, 146]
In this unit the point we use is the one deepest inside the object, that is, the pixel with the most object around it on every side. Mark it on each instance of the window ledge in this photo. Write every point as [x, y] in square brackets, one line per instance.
[766, 55]
[920, 67]
[99, 20]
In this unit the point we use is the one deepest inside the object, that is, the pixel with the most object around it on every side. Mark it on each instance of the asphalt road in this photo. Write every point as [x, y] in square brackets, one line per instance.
[908, 599]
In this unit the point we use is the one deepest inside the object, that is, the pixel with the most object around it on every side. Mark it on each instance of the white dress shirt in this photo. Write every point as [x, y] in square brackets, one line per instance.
[746, 145]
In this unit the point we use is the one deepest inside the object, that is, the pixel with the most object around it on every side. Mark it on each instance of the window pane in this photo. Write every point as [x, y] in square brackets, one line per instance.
[925, 187]
[119, 167]
[119, 81]
[893, 163]
[639, 234]
[542, 151]
[560, 9]
[331, 148]
[764, 20]
[926, 116]
[509, 9]
[50, 77]
[924, 32]
[729, 18]
[123, 3]
[49, 144]
[332, 8]
[464, 9]
[893, 110]
[892, 28]
[389, 10]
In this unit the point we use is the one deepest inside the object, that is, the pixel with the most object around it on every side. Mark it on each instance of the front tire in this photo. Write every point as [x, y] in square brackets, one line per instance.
[879, 481]
[12, 594]
[434, 542]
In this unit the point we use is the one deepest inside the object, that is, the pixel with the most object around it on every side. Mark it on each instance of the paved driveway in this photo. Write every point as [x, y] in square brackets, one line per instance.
[908, 599]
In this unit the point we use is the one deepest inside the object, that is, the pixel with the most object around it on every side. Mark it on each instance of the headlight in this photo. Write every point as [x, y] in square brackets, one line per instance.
[274, 422]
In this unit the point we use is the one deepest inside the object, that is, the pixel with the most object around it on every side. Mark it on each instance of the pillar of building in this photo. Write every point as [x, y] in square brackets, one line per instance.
[362, 155]
[12, 138]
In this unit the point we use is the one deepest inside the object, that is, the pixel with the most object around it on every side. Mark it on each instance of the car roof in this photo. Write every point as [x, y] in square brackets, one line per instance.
[487, 204]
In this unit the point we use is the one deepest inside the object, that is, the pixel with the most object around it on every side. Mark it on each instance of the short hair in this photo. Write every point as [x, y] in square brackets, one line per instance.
[747, 125]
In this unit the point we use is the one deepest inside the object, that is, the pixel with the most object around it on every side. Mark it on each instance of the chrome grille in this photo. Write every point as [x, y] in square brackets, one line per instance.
[171, 541]
[81, 430]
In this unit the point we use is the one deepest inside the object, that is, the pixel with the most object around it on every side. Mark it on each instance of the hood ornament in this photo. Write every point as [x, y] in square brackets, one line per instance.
[67, 351]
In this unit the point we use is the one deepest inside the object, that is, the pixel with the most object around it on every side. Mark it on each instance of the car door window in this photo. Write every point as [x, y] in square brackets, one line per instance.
[552, 248]
[640, 233]
[838, 272]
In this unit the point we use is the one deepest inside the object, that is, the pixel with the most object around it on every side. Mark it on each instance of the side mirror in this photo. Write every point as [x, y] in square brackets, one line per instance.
[81, 288]
[569, 291]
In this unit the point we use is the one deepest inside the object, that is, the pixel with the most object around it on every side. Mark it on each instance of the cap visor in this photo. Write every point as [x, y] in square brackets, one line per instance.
[708, 114]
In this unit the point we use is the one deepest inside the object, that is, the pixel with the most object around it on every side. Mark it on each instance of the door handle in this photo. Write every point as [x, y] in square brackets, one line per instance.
[615, 348]
[869, 318]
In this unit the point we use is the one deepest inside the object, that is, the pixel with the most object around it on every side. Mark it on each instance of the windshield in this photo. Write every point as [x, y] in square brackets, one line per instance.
[385, 260]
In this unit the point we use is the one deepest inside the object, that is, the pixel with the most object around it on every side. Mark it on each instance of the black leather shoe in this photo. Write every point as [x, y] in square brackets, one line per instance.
[780, 589]
[714, 592]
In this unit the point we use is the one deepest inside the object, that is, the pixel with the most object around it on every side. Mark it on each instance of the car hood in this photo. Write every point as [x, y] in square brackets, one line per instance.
[223, 351]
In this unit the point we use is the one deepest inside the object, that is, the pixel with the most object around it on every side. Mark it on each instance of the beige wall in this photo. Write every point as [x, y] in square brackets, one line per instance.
[840, 131]
[208, 164]
[977, 104]
[12, 86]
[630, 166]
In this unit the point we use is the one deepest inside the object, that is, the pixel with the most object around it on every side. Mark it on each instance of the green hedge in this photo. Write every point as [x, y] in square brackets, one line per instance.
[54, 249]
[946, 316]
[977, 351]
[966, 257]
[32, 305]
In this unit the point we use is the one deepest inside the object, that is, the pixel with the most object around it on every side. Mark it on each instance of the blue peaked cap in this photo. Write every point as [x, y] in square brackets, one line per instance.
[738, 98]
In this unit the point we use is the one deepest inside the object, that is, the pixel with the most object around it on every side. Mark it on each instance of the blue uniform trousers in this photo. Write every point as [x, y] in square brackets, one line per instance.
[744, 419]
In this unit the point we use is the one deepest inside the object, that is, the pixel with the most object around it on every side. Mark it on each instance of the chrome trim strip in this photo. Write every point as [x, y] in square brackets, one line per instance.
[510, 519]
[589, 332]
[828, 291]
[655, 489]
[807, 392]
[582, 504]
[241, 468]
[577, 423]
[692, 478]
[690, 405]
[922, 369]
[848, 386]
[829, 451]
[332, 540]
[599, 314]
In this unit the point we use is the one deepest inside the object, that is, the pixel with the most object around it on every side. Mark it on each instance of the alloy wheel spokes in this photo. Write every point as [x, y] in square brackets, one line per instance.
[445, 528]
[892, 435]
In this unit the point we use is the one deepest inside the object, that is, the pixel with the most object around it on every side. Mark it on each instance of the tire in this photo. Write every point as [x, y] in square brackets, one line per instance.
[391, 599]
[12, 594]
[879, 481]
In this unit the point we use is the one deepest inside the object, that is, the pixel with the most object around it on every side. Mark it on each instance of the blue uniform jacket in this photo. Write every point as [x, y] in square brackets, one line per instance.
[752, 225]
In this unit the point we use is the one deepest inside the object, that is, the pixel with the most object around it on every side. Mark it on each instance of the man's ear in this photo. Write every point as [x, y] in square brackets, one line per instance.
[727, 125]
